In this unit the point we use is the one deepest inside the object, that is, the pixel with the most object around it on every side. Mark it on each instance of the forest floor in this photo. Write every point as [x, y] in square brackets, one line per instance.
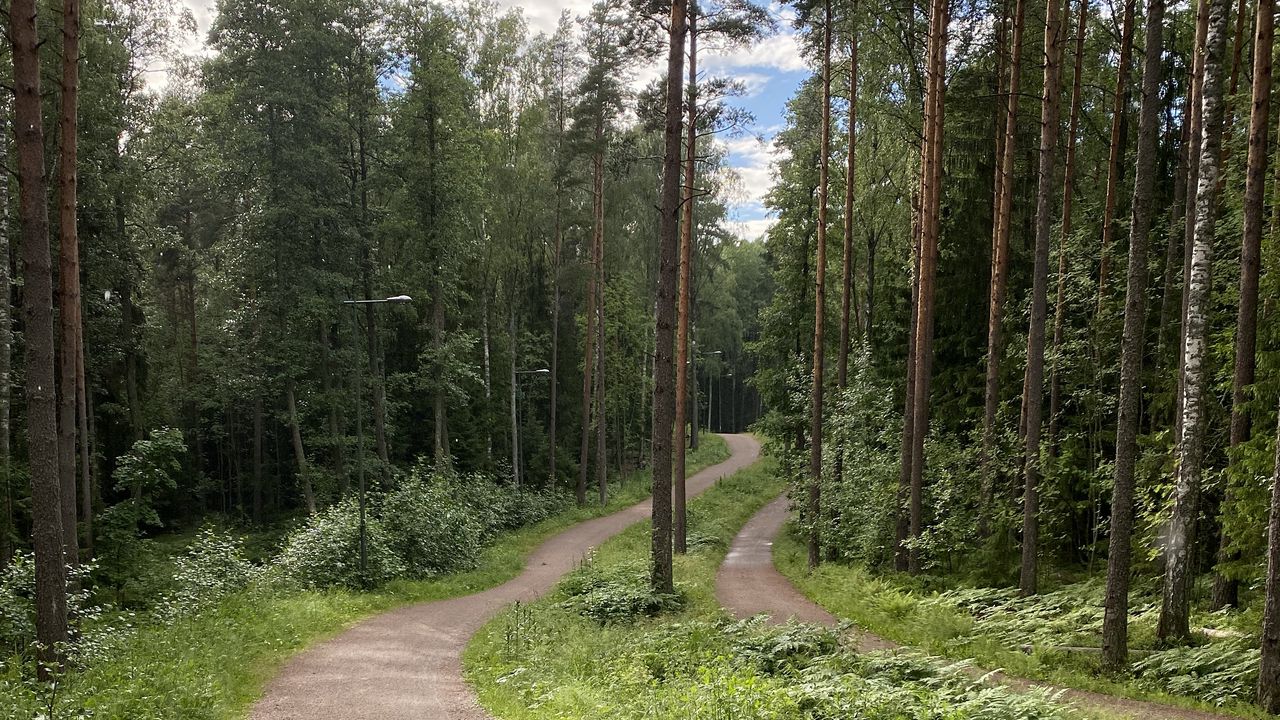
[750, 584]
[407, 663]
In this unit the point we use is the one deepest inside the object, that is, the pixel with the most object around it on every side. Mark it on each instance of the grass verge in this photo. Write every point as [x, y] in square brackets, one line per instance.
[214, 665]
[890, 608]
[601, 646]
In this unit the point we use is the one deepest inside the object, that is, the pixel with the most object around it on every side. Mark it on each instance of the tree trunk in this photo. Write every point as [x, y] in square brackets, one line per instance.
[7, 529]
[931, 216]
[1068, 197]
[1000, 269]
[1192, 200]
[661, 580]
[678, 510]
[515, 416]
[554, 392]
[901, 560]
[589, 320]
[37, 312]
[848, 291]
[820, 301]
[86, 453]
[1119, 108]
[1115, 627]
[299, 454]
[1226, 589]
[68, 276]
[602, 416]
[1175, 608]
[1269, 667]
[1033, 399]
[257, 459]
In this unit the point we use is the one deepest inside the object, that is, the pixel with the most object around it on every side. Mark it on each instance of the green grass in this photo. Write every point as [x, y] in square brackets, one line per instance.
[890, 607]
[214, 665]
[554, 660]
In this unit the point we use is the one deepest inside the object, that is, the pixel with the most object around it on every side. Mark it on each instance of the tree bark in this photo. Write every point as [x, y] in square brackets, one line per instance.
[901, 560]
[1115, 164]
[602, 415]
[661, 579]
[7, 529]
[37, 312]
[678, 509]
[931, 216]
[1033, 399]
[1175, 607]
[1269, 667]
[1115, 625]
[68, 275]
[1068, 197]
[848, 291]
[299, 454]
[1000, 269]
[86, 453]
[589, 353]
[1226, 589]
[820, 302]
[554, 392]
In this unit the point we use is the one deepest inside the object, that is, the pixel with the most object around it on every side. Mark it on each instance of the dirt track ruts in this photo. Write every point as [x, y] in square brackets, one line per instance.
[407, 663]
[748, 584]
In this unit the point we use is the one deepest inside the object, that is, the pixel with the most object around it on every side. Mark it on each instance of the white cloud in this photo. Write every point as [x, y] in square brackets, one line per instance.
[753, 161]
[780, 52]
[751, 230]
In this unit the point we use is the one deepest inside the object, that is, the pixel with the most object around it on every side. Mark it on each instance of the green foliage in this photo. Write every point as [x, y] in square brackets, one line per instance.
[1217, 673]
[211, 568]
[325, 552]
[615, 594]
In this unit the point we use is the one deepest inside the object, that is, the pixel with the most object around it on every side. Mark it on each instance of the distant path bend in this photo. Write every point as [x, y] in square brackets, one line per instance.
[407, 663]
[748, 584]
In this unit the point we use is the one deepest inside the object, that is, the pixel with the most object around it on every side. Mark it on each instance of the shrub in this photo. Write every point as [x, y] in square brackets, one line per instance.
[1218, 673]
[617, 594]
[325, 552]
[429, 528]
[212, 567]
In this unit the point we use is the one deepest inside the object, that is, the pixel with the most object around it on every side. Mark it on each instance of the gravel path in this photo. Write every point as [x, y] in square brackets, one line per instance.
[407, 663]
[748, 584]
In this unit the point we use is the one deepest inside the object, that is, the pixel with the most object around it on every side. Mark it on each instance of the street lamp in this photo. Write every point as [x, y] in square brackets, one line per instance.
[517, 454]
[711, 389]
[355, 334]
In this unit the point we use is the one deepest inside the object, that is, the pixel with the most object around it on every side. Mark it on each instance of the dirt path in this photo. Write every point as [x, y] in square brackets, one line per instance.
[748, 584]
[407, 663]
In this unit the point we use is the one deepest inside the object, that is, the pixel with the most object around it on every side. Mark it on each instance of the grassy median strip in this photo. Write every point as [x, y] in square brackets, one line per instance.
[602, 646]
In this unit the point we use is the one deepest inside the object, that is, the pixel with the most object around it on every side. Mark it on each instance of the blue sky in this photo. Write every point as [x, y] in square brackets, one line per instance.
[771, 72]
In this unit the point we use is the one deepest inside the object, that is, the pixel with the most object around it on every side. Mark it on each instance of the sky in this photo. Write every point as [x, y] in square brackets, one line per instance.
[771, 70]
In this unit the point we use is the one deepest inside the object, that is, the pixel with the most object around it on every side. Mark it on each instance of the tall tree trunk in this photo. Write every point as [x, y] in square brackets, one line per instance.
[678, 510]
[299, 453]
[661, 579]
[820, 301]
[589, 320]
[1068, 196]
[515, 416]
[1115, 153]
[1115, 625]
[1033, 399]
[554, 392]
[68, 275]
[1269, 667]
[1226, 589]
[86, 453]
[1192, 200]
[901, 560]
[847, 290]
[1000, 268]
[602, 416]
[7, 529]
[258, 442]
[1175, 608]
[873, 239]
[931, 217]
[1173, 250]
[37, 313]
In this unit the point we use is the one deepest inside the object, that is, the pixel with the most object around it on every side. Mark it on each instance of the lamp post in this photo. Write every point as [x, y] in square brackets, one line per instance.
[726, 376]
[517, 454]
[693, 373]
[355, 335]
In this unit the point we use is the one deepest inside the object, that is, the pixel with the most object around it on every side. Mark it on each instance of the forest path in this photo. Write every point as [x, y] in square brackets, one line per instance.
[407, 663]
[748, 584]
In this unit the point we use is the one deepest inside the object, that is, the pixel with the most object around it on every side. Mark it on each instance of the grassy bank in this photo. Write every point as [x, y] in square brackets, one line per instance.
[601, 646]
[213, 665]
[996, 630]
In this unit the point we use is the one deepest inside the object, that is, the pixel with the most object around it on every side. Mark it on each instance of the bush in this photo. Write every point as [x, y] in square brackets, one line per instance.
[429, 529]
[212, 567]
[18, 606]
[326, 551]
[617, 594]
[1217, 673]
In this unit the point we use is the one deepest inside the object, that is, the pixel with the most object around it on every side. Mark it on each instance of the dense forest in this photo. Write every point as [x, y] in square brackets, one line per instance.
[340, 306]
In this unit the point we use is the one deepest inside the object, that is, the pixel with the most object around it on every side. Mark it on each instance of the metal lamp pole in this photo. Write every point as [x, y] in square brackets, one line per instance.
[355, 332]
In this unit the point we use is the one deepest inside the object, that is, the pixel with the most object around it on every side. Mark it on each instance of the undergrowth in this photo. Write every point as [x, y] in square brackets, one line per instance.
[211, 659]
[551, 660]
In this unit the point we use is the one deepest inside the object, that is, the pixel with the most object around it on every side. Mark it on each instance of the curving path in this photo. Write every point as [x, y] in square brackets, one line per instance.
[407, 663]
[748, 584]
